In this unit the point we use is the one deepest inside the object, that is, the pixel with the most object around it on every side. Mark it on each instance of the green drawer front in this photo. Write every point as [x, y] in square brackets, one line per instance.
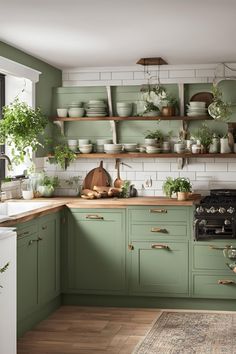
[160, 213]
[210, 257]
[96, 216]
[26, 229]
[207, 286]
[157, 231]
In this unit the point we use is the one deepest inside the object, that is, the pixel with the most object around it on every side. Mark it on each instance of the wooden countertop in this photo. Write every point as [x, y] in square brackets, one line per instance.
[57, 203]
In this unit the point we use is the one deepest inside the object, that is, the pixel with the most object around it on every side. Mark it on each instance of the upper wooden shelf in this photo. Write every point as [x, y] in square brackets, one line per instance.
[146, 155]
[92, 119]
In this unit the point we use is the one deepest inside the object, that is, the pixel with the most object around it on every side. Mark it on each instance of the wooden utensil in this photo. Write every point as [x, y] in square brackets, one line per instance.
[97, 177]
[118, 183]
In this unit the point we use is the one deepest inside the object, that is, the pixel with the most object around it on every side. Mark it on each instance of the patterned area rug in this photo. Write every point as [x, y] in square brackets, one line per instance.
[191, 333]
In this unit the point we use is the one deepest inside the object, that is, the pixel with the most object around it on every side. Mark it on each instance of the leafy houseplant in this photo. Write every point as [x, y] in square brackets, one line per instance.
[218, 109]
[63, 155]
[47, 186]
[156, 136]
[21, 125]
[205, 135]
[169, 106]
[180, 185]
[150, 109]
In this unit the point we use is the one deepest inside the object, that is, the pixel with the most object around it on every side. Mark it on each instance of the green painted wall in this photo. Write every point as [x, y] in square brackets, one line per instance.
[51, 77]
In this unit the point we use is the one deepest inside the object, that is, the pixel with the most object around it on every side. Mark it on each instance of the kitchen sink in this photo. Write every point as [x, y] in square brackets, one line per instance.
[10, 209]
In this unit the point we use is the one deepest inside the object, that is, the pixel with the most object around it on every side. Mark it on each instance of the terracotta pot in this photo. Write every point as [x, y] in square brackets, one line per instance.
[182, 196]
[168, 111]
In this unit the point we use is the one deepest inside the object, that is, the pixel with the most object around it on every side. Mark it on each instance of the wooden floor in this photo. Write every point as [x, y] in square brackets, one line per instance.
[88, 330]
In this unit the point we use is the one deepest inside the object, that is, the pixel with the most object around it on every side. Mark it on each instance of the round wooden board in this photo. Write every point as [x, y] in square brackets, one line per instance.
[203, 97]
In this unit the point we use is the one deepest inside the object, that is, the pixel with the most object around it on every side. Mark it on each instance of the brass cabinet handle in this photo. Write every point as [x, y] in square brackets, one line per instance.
[158, 229]
[40, 239]
[32, 241]
[157, 246]
[160, 211]
[212, 247]
[225, 282]
[44, 227]
[94, 217]
[24, 234]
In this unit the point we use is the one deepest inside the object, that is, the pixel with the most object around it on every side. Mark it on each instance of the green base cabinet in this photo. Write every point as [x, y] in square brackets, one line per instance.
[211, 277]
[96, 251]
[38, 266]
[159, 269]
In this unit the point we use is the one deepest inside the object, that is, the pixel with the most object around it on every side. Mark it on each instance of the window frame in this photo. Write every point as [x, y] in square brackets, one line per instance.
[2, 103]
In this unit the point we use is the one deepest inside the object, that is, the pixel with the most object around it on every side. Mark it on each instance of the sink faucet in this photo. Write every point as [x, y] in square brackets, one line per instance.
[3, 194]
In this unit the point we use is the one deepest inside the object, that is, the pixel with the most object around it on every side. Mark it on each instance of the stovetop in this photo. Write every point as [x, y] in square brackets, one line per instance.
[221, 202]
[220, 196]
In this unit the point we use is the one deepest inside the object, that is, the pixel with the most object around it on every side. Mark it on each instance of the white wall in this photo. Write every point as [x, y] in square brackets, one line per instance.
[203, 173]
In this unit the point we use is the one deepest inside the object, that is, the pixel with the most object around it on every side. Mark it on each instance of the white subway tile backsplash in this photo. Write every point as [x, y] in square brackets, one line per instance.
[84, 76]
[196, 166]
[105, 76]
[161, 176]
[145, 175]
[182, 73]
[149, 166]
[205, 72]
[190, 175]
[216, 166]
[125, 75]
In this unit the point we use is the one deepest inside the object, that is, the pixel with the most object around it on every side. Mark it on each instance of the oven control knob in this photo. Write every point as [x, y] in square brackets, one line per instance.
[230, 210]
[212, 210]
[200, 210]
[227, 222]
[222, 210]
[203, 222]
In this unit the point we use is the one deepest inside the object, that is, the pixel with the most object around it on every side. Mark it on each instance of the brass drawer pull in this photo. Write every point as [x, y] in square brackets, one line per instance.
[24, 234]
[40, 239]
[94, 217]
[160, 211]
[212, 247]
[32, 241]
[226, 282]
[44, 227]
[157, 246]
[158, 229]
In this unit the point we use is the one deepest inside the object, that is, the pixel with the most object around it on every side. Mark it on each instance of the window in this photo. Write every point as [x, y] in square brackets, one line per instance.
[2, 103]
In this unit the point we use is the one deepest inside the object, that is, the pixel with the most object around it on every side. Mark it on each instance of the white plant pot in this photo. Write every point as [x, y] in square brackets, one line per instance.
[224, 146]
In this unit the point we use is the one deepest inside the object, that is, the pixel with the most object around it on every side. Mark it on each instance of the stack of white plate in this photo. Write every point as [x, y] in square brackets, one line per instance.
[96, 108]
[113, 148]
[75, 105]
[196, 108]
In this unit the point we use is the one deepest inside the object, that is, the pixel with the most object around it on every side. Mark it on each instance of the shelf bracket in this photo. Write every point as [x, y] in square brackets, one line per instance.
[61, 126]
[112, 123]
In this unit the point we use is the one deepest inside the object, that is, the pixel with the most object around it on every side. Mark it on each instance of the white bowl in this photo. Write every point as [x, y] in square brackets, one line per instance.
[197, 104]
[112, 146]
[86, 149]
[83, 142]
[130, 147]
[124, 105]
[27, 195]
[62, 112]
[76, 112]
[103, 141]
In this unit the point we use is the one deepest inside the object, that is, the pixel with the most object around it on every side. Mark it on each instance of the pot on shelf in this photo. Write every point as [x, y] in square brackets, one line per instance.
[168, 111]
[181, 196]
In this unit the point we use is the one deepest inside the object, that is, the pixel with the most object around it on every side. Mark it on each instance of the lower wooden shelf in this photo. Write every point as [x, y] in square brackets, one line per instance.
[134, 155]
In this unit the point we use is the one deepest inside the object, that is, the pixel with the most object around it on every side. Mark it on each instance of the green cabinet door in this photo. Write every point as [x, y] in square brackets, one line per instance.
[49, 258]
[159, 269]
[96, 251]
[27, 275]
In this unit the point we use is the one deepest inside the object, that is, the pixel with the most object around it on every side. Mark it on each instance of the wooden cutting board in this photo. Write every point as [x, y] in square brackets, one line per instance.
[97, 177]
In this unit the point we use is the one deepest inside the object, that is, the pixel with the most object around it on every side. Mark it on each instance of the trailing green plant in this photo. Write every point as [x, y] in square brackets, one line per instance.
[63, 155]
[21, 126]
[150, 107]
[126, 189]
[218, 109]
[180, 184]
[3, 269]
[205, 135]
[50, 181]
[156, 134]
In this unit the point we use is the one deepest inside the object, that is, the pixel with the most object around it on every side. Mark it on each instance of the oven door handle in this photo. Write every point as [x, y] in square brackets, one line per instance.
[212, 247]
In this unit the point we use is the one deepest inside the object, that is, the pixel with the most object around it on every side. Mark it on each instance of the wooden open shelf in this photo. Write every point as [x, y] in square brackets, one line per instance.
[92, 119]
[134, 155]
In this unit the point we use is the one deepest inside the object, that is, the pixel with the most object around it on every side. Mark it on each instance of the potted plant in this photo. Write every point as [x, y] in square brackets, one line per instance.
[218, 109]
[47, 186]
[205, 135]
[21, 126]
[169, 106]
[153, 137]
[150, 110]
[224, 144]
[63, 155]
[181, 186]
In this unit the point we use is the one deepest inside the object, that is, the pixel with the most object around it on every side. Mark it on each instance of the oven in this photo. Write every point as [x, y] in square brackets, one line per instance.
[215, 216]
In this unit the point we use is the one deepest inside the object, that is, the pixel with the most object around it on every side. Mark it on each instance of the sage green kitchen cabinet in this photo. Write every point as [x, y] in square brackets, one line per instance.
[96, 251]
[38, 265]
[211, 277]
[159, 269]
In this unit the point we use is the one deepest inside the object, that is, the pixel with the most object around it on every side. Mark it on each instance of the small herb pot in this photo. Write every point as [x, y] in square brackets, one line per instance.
[150, 141]
[46, 191]
[168, 111]
[181, 196]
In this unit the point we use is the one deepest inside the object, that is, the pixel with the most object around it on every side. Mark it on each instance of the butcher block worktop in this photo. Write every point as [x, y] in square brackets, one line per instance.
[58, 203]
